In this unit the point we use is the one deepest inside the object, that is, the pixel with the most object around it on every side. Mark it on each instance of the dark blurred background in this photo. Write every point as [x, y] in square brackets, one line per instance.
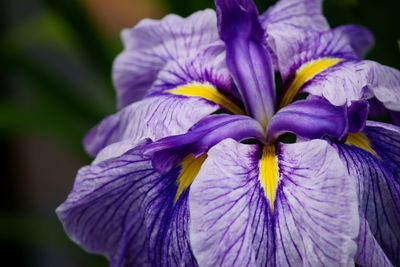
[55, 80]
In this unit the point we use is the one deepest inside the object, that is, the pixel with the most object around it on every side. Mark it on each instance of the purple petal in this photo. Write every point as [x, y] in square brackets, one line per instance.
[357, 115]
[169, 151]
[154, 118]
[247, 57]
[395, 117]
[153, 44]
[354, 80]
[300, 13]
[310, 119]
[314, 222]
[369, 251]
[123, 209]
[379, 184]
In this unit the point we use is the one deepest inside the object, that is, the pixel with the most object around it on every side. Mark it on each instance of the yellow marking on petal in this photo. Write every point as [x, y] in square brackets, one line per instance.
[190, 167]
[207, 91]
[269, 176]
[305, 73]
[360, 140]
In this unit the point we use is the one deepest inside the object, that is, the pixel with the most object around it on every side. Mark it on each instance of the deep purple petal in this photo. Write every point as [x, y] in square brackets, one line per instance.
[153, 44]
[315, 218]
[123, 209]
[395, 117]
[169, 151]
[310, 119]
[154, 118]
[379, 184]
[248, 59]
[357, 115]
[369, 252]
[301, 13]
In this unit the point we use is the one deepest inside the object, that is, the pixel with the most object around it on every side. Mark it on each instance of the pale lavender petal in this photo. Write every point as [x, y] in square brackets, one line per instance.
[340, 84]
[379, 184]
[296, 46]
[122, 208]
[384, 84]
[169, 151]
[310, 119]
[247, 56]
[152, 44]
[154, 117]
[101, 214]
[301, 13]
[207, 66]
[354, 80]
[314, 223]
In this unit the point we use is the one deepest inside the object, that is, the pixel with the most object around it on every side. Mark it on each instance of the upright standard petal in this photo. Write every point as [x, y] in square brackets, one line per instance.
[300, 13]
[122, 208]
[154, 117]
[247, 56]
[151, 45]
[310, 119]
[315, 217]
[377, 171]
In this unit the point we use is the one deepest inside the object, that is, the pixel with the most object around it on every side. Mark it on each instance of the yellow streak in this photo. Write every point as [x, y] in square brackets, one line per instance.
[268, 175]
[360, 140]
[190, 167]
[305, 73]
[206, 91]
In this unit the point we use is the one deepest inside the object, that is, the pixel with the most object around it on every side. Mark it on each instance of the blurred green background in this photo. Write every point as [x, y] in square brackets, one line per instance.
[55, 79]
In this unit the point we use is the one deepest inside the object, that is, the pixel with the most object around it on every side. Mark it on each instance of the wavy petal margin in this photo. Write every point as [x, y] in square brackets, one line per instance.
[153, 44]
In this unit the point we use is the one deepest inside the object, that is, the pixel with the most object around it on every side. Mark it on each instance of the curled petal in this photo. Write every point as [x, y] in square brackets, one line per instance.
[310, 119]
[315, 218]
[169, 151]
[384, 84]
[354, 80]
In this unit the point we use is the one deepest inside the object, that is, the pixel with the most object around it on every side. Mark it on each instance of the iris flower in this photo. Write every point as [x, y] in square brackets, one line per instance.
[196, 168]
